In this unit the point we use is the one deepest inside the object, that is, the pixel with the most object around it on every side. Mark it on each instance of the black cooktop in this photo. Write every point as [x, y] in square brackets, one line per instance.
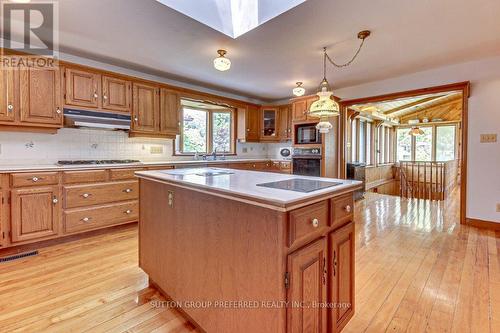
[85, 162]
[300, 185]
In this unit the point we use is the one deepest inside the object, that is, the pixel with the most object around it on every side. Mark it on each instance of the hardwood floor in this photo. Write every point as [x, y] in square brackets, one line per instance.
[417, 270]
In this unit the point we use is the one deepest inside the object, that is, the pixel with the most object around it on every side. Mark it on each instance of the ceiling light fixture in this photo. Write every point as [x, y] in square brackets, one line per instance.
[299, 90]
[325, 107]
[415, 131]
[221, 63]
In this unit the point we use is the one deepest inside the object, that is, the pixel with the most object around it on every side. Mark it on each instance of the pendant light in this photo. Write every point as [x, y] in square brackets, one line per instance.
[299, 90]
[221, 63]
[415, 131]
[326, 107]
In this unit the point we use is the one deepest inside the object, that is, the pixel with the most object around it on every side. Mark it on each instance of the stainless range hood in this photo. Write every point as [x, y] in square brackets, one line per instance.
[93, 119]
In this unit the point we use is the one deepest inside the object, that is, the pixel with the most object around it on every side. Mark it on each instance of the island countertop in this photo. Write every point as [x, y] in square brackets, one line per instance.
[242, 185]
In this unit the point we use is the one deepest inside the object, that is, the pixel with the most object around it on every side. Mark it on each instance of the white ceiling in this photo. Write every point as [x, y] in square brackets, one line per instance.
[408, 36]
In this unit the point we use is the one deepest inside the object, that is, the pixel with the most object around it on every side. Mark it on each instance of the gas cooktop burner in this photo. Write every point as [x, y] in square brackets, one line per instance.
[85, 162]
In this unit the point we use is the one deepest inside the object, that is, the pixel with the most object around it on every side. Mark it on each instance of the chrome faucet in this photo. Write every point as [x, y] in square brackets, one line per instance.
[214, 154]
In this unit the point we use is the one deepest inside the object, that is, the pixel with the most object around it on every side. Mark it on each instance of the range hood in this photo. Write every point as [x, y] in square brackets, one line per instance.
[93, 119]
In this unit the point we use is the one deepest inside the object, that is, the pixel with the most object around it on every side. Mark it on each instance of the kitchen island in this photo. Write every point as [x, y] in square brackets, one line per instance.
[246, 251]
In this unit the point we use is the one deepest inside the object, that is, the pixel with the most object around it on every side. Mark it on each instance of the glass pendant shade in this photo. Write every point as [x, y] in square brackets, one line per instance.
[324, 126]
[416, 131]
[221, 63]
[325, 106]
[299, 90]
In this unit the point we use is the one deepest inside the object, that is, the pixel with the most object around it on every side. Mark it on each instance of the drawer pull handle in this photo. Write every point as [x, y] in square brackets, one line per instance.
[348, 208]
[10, 107]
[54, 200]
[128, 211]
[86, 219]
[315, 223]
[86, 195]
[35, 179]
[128, 190]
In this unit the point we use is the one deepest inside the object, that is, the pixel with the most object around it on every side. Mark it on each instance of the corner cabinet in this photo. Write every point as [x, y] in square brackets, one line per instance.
[35, 213]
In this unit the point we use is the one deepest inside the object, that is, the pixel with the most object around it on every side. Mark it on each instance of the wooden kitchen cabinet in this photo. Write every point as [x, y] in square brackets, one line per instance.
[40, 96]
[307, 286]
[299, 109]
[145, 108]
[285, 123]
[82, 88]
[7, 102]
[35, 213]
[169, 115]
[116, 94]
[341, 262]
[269, 124]
[249, 124]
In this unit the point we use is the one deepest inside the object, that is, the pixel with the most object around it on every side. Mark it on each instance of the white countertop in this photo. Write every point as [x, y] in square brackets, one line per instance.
[242, 185]
[56, 167]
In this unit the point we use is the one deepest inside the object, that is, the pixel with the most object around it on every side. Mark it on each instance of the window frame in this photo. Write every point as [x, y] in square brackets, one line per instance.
[209, 144]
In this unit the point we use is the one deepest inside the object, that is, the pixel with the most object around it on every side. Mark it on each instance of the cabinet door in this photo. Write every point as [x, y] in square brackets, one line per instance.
[116, 94]
[145, 108]
[341, 243]
[40, 92]
[170, 108]
[269, 122]
[299, 110]
[34, 213]
[7, 103]
[307, 286]
[284, 123]
[82, 88]
[253, 124]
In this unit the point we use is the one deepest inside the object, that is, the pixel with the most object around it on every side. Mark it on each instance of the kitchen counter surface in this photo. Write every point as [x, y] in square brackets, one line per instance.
[56, 167]
[241, 185]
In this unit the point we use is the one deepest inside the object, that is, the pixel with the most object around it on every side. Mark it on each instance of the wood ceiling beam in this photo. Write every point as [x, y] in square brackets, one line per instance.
[412, 104]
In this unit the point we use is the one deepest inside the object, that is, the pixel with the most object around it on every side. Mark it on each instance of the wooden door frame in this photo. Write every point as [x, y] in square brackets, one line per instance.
[463, 87]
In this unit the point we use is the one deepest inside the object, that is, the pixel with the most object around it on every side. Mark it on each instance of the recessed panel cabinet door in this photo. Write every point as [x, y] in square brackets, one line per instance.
[116, 94]
[284, 124]
[169, 112]
[299, 110]
[145, 108]
[34, 213]
[40, 92]
[253, 124]
[7, 103]
[307, 288]
[82, 88]
[341, 245]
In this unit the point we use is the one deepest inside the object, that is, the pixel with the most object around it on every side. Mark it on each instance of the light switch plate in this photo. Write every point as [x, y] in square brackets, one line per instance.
[156, 149]
[488, 138]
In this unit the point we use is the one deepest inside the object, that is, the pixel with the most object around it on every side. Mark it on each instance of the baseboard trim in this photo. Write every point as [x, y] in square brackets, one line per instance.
[483, 224]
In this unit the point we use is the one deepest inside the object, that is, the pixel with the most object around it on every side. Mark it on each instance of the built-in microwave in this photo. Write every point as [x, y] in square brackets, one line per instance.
[307, 134]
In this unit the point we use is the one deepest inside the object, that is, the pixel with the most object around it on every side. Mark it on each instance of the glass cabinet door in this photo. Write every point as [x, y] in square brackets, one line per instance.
[270, 120]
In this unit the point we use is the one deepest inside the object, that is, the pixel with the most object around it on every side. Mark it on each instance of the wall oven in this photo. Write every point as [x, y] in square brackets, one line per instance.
[307, 161]
[307, 134]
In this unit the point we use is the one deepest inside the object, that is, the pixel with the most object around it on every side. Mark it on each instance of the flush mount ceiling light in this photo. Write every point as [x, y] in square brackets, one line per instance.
[325, 107]
[299, 90]
[221, 63]
[232, 17]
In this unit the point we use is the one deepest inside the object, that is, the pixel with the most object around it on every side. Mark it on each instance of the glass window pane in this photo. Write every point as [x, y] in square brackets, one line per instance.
[423, 145]
[194, 136]
[221, 124]
[403, 148]
[381, 145]
[353, 141]
[445, 143]
[361, 144]
[368, 143]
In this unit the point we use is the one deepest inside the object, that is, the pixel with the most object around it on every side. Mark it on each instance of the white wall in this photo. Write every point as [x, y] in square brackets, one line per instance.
[483, 179]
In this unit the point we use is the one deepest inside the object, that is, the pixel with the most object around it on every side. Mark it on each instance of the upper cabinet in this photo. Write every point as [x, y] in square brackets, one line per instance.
[285, 123]
[145, 109]
[7, 102]
[269, 124]
[170, 108]
[40, 96]
[300, 107]
[248, 123]
[83, 88]
[116, 94]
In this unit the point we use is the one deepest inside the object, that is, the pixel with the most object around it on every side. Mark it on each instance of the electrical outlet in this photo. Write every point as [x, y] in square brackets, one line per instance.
[498, 207]
[156, 149]
[488, 138]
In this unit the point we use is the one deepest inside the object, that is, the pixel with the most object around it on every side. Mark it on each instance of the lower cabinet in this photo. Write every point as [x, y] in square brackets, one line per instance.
[35, 213]
[308, 289]
[341, 251]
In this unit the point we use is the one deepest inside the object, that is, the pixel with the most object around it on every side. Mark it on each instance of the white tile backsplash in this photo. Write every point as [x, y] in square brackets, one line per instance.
[72, 143]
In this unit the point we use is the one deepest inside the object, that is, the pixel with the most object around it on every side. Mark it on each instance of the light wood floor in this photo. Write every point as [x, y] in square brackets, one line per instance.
[417, 270]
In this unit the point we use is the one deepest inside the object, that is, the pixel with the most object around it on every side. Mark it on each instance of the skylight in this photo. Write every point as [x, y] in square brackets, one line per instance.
[232, 17]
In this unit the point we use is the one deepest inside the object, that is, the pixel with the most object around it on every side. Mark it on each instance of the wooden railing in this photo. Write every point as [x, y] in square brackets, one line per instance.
[427, 180]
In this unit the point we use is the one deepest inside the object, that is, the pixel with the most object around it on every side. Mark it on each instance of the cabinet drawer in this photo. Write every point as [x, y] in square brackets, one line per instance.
[34, 179]
[95, 194]
[86, 176]
[121, 174]
[96, 217]
[342, 210]
[307, 222]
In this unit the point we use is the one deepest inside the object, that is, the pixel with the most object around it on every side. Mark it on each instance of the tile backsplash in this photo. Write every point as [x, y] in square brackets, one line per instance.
[71, 143]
